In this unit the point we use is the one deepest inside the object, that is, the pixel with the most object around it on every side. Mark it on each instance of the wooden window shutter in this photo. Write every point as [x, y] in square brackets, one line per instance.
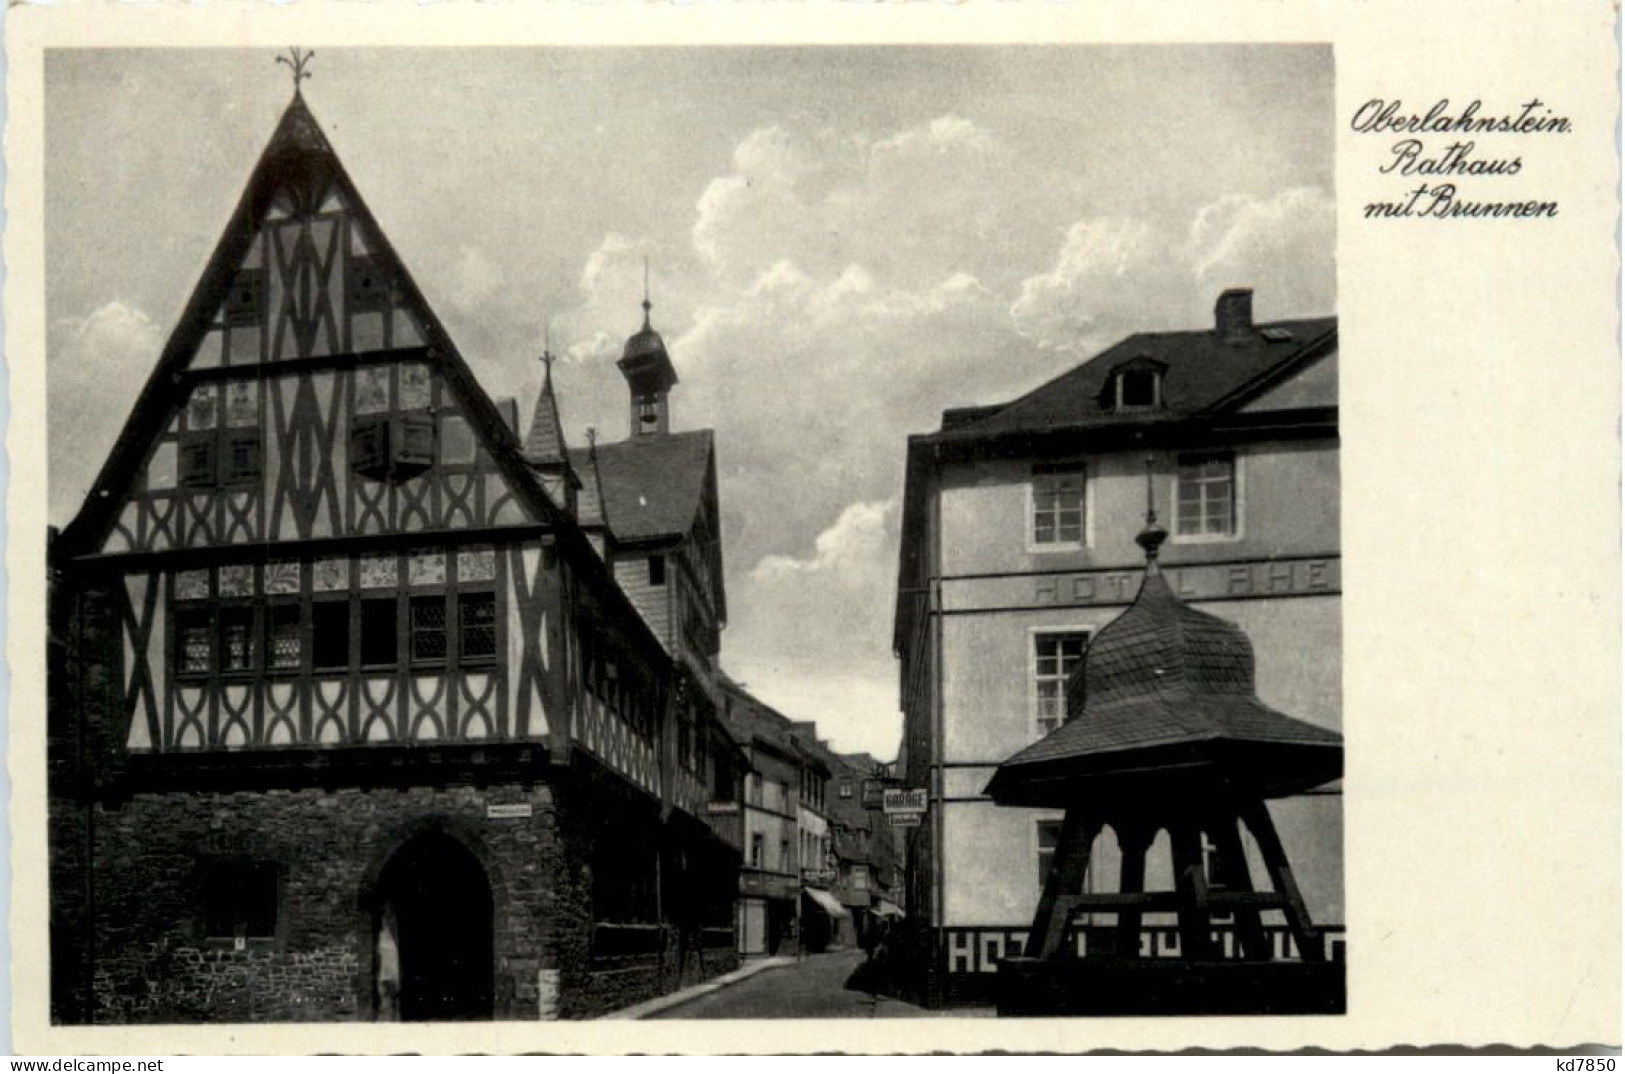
[197, 462]
[241, 460]
[413, 448]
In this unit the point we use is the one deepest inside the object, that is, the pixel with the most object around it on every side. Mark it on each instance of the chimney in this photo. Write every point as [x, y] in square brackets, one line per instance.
[1233, 315]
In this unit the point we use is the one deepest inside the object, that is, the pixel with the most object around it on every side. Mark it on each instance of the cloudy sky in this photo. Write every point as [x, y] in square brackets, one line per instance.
[843, 241]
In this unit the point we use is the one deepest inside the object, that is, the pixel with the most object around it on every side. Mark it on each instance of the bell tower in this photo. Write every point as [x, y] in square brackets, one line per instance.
[649, 375]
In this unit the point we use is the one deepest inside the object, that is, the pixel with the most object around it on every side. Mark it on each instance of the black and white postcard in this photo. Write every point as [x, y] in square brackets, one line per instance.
[529, 521]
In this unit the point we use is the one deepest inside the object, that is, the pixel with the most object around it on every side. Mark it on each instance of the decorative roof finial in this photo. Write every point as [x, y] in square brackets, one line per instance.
[297, 65]
[646, 304]
[547, 354]
[1151, 537]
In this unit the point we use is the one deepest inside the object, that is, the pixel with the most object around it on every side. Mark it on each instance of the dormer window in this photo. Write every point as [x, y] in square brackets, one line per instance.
[1137, 388]
[1135, 385]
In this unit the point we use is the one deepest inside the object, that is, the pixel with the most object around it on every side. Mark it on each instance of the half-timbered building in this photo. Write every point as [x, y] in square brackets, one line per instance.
[351, 718]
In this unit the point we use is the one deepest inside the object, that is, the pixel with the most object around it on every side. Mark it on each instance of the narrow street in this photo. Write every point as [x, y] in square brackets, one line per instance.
[814, 987]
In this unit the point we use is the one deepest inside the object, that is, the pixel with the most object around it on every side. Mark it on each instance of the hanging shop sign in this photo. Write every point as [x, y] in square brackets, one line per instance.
[904, 800]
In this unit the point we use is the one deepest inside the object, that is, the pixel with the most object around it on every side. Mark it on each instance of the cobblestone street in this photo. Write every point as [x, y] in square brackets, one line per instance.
[814, 987]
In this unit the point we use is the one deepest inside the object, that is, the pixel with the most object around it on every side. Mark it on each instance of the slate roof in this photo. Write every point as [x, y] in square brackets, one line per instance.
[1203, 370]
[544, 444]
[590, 503]
[755, 720]
[1167, 688]
[653, 486]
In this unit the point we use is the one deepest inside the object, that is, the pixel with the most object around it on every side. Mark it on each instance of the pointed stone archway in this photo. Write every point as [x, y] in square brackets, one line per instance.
[432, 933]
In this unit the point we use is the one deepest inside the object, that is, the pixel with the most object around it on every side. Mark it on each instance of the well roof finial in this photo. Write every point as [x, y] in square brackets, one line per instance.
[647, 306]
[297, 65]
[1151, 537]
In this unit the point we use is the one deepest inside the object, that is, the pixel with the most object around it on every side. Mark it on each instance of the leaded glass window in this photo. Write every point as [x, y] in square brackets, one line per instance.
[428, 630]
[477, 615]
[236, 639]
[195, 646]
[285, 641]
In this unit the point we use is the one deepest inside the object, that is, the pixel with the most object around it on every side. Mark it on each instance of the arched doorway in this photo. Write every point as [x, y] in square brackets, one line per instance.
[432, 928]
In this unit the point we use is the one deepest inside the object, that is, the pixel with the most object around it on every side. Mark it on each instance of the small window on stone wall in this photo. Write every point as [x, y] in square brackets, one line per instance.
[239, 899]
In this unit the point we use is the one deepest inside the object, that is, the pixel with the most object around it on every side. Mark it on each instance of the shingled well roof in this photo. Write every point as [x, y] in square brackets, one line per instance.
[1166, 688]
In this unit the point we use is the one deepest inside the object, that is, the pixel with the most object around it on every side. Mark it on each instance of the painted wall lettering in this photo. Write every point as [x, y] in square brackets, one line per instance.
[1217, 581]
[978, 950]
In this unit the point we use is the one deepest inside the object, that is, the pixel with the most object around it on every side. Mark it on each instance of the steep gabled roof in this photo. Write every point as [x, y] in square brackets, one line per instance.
[655, 486]
[544, 443]
[659, 489]
[754, 720]
[590, 504]
[297, 150]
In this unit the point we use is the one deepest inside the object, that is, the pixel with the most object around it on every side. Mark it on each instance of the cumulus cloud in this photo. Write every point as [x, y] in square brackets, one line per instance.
[1115, 276]
[98, 365]
[833, 292]
[811, 630]
[943, 135]
[1283, 247]
[1105, 270]
[844, 554]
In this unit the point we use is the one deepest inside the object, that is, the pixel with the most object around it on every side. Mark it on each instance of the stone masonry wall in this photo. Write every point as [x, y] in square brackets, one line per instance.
[153, 962]
[598, 811]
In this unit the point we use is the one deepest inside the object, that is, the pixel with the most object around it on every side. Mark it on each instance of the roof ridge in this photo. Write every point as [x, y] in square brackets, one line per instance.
[1136, 340]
